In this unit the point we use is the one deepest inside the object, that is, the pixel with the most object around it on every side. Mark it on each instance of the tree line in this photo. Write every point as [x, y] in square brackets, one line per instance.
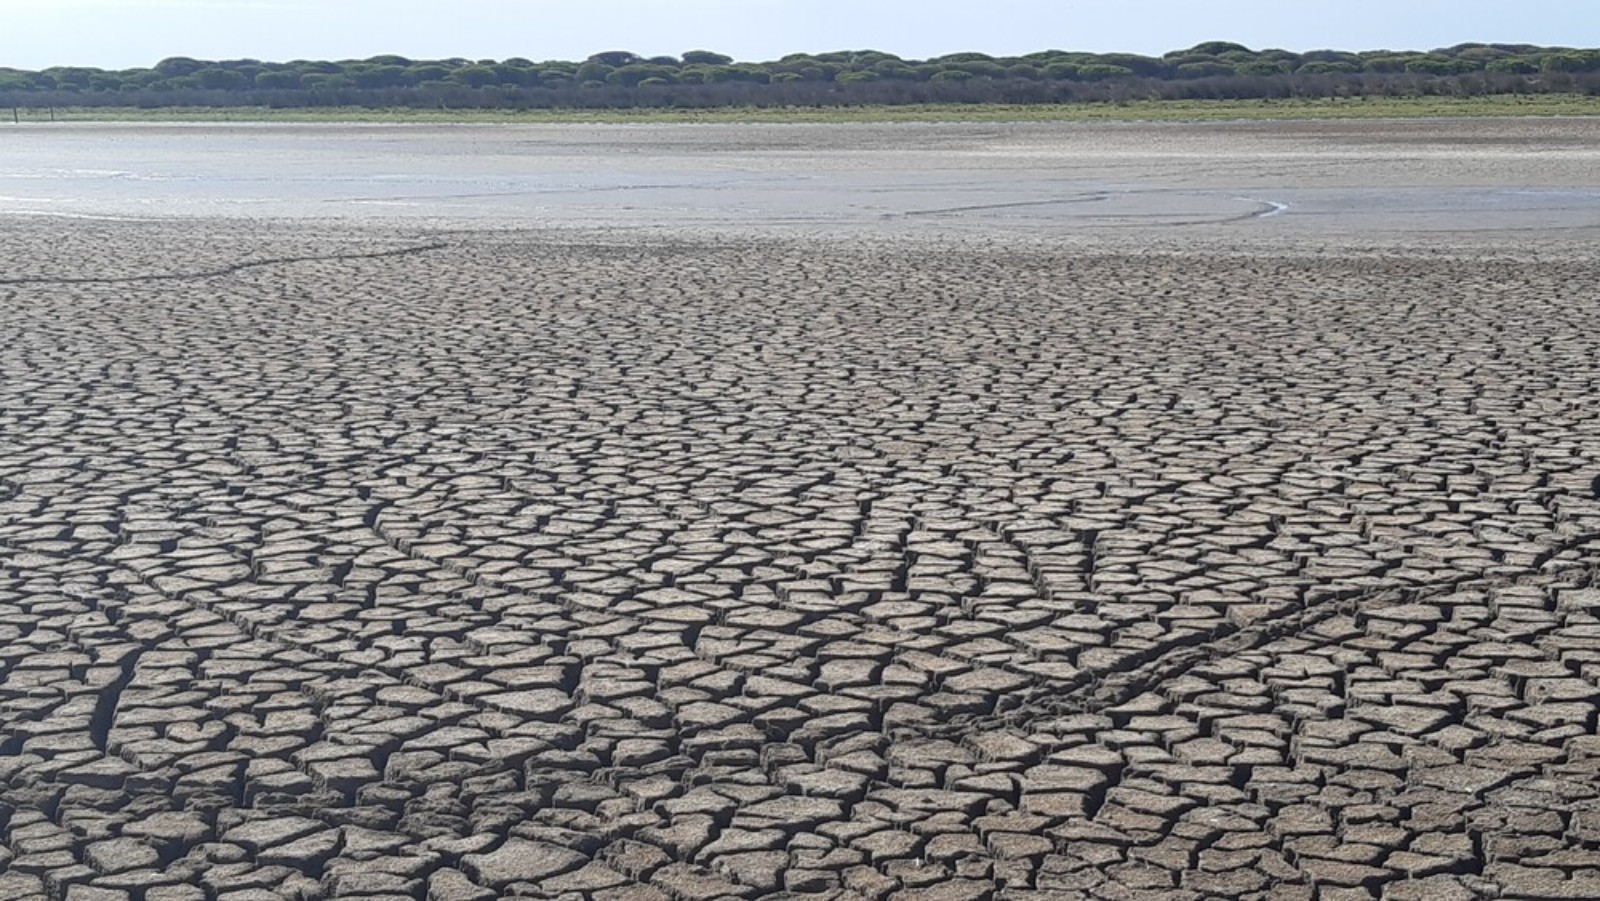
[700, 78]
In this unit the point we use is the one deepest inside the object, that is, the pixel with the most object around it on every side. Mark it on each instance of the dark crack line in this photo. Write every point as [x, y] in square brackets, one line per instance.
[1099, 691]
[225, 270]
[110, 700]
[1092, 198]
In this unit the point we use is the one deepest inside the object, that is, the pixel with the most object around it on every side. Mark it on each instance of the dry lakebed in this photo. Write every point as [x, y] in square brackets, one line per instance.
[954, 511]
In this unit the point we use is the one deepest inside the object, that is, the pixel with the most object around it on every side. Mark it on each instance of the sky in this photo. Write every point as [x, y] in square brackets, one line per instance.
[35, 34]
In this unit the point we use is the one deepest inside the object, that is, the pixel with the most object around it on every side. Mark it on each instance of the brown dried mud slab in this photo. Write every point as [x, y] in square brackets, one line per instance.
[470, 565]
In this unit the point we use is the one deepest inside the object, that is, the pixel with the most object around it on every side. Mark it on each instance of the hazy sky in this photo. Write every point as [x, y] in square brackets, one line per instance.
[126, 33]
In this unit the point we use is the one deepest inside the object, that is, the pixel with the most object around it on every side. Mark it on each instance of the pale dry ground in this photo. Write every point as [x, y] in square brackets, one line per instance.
[340, 560]
[1376, 180]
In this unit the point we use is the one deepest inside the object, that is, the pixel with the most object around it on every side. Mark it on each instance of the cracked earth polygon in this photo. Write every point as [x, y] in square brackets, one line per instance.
[486, 564]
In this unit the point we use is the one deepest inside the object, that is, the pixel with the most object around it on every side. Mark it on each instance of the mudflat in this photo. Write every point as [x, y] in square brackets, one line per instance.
[885, 511]
[1360, 179]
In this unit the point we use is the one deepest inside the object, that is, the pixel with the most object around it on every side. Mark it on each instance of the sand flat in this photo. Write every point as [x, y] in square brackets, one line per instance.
[799, 535]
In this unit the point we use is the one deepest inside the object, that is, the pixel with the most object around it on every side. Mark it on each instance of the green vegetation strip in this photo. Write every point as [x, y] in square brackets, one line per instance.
[1213, 71]
[1159, 110]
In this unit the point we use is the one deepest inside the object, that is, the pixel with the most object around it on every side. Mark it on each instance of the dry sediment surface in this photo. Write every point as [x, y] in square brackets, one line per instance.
[1370, 181]
[496, 565]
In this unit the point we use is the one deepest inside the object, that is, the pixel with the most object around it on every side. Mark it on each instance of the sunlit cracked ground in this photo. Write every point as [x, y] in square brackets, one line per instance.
[480, 564]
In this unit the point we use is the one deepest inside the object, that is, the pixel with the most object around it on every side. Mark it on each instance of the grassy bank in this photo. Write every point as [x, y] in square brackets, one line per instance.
[1162, 110]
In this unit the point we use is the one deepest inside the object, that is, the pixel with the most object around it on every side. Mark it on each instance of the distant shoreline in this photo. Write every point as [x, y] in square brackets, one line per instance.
[703, 79]
[1150, 111]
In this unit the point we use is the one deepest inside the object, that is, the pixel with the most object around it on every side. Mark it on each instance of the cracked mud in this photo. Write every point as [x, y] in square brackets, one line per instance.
[366, 564]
